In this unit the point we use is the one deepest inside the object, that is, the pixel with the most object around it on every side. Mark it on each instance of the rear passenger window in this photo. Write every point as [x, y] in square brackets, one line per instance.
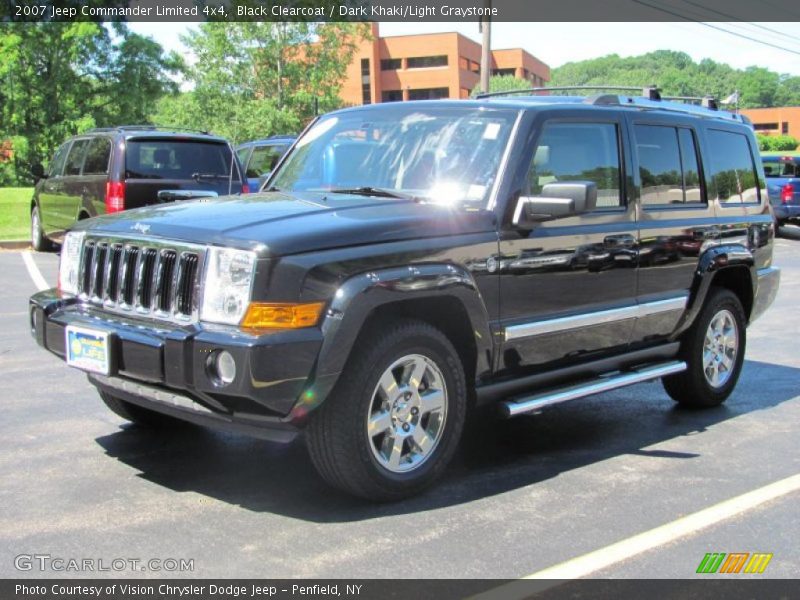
[97, 157]
[733, 171]
[57, 164]
[578, 152]
[668, 165]
[75, 158]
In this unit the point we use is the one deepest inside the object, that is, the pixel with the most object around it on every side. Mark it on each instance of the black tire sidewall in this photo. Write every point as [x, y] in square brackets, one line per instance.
[721, 300]
[446, 361]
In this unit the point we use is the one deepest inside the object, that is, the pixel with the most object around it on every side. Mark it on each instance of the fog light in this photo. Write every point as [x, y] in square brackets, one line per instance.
[225, 367]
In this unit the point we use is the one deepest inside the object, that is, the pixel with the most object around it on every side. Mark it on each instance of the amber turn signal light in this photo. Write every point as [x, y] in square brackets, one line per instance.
[266, 315]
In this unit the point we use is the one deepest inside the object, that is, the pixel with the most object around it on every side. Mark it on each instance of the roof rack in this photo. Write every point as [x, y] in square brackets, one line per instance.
[147, 128]
[706, 106]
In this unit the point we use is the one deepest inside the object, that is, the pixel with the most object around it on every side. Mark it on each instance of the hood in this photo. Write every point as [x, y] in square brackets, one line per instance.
[278, 223]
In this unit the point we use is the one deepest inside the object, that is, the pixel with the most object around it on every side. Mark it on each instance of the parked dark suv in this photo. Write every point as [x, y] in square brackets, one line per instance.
[410, 261]
[113, 169]
[259, 157]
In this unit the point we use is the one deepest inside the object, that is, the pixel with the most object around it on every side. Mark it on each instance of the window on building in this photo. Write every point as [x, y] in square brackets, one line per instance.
[392, 96]
[578, 152]
[463, 63]
[464, 93]
[765, 126]
[366, 94]
[97, 157]
[424, 62]
[668, 165]
[391, 64]
[474, 67]
[784, 128]
[501, 72]
[429, 94]
[732, 171]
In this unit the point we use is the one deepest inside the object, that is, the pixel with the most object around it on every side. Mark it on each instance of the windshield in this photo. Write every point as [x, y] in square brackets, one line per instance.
[774, 168]
[442, 154]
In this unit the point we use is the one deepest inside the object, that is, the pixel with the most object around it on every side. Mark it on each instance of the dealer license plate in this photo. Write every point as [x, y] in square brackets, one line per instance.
[88, 349]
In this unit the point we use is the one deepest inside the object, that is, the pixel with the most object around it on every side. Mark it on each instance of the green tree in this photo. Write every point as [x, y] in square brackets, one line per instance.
[678, 75]
[504, 83]
[777, 143]
[256, 79]
[58, 79]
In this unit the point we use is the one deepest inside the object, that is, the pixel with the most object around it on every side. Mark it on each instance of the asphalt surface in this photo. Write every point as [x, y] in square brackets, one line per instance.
[522, 495]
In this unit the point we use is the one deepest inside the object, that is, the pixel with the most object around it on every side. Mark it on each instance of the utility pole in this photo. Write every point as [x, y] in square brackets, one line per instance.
[486, 48]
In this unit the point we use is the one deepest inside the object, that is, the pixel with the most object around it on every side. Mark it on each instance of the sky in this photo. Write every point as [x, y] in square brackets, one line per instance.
[559, 43]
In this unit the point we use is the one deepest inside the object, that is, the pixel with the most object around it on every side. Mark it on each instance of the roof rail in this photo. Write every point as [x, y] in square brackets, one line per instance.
[650, 97]
[648, 91]
[147, 128]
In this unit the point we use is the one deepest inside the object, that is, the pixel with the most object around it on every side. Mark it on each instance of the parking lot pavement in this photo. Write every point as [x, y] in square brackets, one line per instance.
[522, 496]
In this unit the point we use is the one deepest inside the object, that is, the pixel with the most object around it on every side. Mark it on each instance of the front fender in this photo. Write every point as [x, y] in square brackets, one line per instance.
[358, 297]
[712, 261]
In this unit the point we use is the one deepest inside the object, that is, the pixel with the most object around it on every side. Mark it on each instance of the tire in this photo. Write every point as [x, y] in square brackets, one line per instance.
[714, 362]
[416, 427]
[39, 241]
[142, 417]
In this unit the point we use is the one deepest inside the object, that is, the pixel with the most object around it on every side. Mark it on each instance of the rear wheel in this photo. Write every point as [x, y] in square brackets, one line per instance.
[39, 241]
[137, 414]
[714, 352]
[393, 422]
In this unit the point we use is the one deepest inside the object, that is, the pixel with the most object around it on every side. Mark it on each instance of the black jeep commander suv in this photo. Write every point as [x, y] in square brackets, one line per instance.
[111, 169]
[408, 262]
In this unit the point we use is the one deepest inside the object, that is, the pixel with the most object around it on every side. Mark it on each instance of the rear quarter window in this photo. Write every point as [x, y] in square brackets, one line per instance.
[97, 157]
[75, 158]
[732, 173]
[173, 159]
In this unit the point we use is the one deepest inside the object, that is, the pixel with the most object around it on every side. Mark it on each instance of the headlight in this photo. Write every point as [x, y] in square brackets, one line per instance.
[228, 281]
[70, 262]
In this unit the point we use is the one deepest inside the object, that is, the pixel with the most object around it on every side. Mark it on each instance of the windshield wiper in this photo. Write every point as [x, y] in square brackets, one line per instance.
[372, 191]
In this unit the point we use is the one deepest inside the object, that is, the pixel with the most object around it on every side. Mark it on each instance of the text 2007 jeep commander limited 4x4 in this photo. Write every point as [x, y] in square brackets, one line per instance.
[409, 261]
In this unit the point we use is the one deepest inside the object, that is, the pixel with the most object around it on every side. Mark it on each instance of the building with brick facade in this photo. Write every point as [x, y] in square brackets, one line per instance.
[780, 120]
[428, 66]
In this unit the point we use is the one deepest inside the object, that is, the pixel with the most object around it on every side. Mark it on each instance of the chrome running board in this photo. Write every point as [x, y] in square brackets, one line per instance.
[604, 383]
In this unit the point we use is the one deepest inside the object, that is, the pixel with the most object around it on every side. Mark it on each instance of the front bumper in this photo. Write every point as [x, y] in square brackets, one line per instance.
[164, 367]
[769, 280]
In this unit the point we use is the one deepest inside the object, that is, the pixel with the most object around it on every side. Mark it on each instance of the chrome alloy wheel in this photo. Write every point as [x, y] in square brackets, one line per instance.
[407, 414]
[720, 349]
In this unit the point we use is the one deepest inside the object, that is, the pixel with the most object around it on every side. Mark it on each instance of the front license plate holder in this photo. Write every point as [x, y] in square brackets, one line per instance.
[88, 349]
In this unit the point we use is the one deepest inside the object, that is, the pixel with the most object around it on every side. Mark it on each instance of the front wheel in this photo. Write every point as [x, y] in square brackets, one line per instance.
[393, 422]
[713, 350]
[39, 241]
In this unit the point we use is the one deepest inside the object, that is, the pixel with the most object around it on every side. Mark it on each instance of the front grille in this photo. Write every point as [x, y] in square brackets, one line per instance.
[147, 278]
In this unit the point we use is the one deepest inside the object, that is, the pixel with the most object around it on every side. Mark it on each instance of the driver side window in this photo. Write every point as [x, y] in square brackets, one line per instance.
[578, 152]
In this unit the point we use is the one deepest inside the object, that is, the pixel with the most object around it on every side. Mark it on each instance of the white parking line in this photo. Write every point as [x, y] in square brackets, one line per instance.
[38, 280]
[630, 547]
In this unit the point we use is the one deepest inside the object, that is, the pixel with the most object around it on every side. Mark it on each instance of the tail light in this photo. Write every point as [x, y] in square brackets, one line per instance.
[115, 196]
[787, 192]
[245, 188]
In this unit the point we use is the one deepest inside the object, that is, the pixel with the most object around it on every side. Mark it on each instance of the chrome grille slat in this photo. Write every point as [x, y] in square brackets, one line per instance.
[150, 278]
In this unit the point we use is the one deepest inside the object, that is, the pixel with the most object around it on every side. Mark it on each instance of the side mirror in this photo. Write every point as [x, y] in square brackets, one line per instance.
[37, 171]
[558, 200]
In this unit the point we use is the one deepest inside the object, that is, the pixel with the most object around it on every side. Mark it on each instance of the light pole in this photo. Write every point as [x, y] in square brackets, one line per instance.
[486, 47]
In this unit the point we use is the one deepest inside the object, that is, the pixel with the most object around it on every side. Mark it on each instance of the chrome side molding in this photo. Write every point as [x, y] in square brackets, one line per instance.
[600, 384]
[596, 318]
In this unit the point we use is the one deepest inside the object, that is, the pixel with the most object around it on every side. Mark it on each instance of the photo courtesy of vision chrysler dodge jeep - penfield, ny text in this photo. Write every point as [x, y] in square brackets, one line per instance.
[408, 263]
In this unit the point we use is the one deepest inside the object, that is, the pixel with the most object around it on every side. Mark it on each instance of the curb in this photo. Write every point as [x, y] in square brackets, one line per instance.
[14, 244]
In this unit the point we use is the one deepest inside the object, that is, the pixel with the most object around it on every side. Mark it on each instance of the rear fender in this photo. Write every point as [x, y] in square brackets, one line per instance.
[712, 262]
